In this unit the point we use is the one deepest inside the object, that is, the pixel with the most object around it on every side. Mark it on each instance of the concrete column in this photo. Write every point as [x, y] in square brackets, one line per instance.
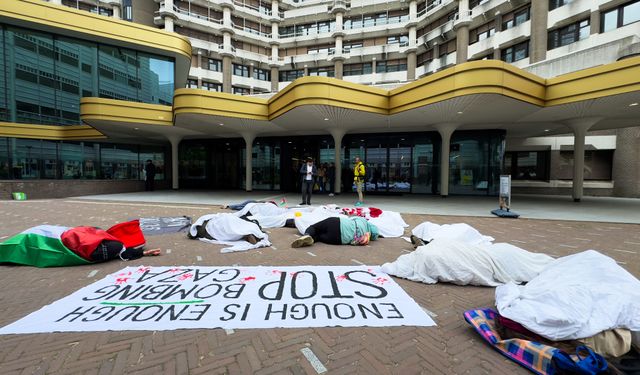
[411, 65]
[226, 16]
[373, 70]
[497, 54]
[338, 68]
[412, 36]
[498, 22]
[175, 142]
[248, 139]
[199, 60]
[274, 78]
[306, 71]
[338, 134]
[274, 53]
[274, 30]
[226, 41]
[339, 21]
[338, 45]
[462, 43]
[594, 21]
[199, 82]
[539, 33]
[226, 73]
[168, 24]
[445, 130]
[413, 10]
[580, 127]
[251, 70]
[116, 12]
[274, 8]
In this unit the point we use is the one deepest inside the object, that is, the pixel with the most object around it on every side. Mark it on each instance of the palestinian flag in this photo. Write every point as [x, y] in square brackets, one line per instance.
[40, 247]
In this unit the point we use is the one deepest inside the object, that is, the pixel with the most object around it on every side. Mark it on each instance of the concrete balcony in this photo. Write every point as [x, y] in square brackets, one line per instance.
[205, 74]
[521, 63]
[189, 19]
[490, 8]
[440, 63]
[377, 30]
[252, 56]
[198, 44]
[575, 9]
[372, 50]
[255, 12]
[312, 57]
[500, 40]
[433, 9]
[439, 34]
[250, 82]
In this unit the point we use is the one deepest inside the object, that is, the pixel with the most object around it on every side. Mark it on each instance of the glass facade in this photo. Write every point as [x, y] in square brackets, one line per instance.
[396, 163]
[44, 76]
[28, 159]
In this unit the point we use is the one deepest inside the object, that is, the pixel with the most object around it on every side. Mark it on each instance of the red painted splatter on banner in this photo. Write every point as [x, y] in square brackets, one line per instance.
[174, 270]
[125, 274]
[248, 278]
[143, 269]
[341, 277]
[121, 280]
[185, 276]
[380, 280]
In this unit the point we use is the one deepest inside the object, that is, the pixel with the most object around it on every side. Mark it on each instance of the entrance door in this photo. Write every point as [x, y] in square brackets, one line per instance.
[293, 153]
[226, 165]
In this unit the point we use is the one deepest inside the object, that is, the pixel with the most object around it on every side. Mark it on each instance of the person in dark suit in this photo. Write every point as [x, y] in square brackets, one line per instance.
[308, 173]
[150, 175]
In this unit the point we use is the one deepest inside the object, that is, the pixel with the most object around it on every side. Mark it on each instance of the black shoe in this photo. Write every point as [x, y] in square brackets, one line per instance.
[416, 241]
[301, 204]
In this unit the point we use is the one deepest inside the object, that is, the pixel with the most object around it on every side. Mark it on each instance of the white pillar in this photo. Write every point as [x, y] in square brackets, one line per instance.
[248, 178]
[274, 8]
[339, 45]
[274, 53]
[580, 127]
[116, 12]
[445, 130]
[226, 16]
[175, 142]
[338, 134]
[168, 24]
[339, 21]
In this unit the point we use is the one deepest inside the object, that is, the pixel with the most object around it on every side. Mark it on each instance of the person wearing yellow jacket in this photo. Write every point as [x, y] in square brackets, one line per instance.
[359, 179]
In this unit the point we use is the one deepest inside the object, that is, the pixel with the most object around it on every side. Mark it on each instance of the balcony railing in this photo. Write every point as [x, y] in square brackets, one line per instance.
[188, 13]
[429, 8]
[251, 31]
[261, 10]
[375, 22]
[306, 32]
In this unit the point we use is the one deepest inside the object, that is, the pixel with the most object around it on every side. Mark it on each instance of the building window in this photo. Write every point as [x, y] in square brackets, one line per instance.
[483, 32]
[356, 69]
[425, 58]
[391, 66]
[322, 72]
[403, 40]
[598, 165]
[553, 4]
[516, 18]
[211, 86]
[569, 34]
[241, 90]
[240, 70]
[192, 83]
[517, 52]
[214, 65]
[262, 74]
[127, 10]
[527, 165]
[290, 75]
[620, 16]
[475, 3]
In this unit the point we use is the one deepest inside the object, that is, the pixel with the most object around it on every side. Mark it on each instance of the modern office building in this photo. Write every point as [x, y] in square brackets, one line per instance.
[437, 96]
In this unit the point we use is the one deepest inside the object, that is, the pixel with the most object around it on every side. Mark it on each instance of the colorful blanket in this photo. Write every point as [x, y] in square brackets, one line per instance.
[531, 355]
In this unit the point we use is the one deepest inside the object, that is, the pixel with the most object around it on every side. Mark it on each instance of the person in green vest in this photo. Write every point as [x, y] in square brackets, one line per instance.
[359, 179]
[355, 231]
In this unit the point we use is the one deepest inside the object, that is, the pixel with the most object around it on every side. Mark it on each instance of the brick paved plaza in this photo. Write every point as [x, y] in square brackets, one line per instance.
[449, 348]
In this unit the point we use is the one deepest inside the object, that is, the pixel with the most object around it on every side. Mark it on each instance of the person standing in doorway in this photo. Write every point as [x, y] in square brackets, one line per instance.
[359, 179]
[308, 173]
[150, 175]
[331, 176]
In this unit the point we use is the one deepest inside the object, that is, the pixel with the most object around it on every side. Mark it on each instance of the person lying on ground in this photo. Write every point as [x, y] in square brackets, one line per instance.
[339, 231]
[241, 205]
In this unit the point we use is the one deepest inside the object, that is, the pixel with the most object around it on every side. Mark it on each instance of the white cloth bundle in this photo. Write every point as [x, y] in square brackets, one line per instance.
[462, 263]
[228, 229]
[460, 231]
[576, 296]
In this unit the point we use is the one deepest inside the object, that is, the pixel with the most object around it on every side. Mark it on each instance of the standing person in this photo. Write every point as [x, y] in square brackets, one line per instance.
[331, 176]
[150, 175]
[308, 173]
[321, 177]
[359, 178]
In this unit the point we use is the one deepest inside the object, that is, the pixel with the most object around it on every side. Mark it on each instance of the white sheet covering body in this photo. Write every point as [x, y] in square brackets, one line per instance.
[460, 231]
[576, 296]
[228, 229]
[462, 263]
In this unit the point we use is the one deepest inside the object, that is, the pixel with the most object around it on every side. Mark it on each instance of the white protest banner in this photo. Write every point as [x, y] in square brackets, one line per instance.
[167, 298]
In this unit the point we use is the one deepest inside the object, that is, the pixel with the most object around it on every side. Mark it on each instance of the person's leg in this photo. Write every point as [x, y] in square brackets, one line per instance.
[309, 192]
[304, 192]
[359, 186]
[327, 231]
[241, 205]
